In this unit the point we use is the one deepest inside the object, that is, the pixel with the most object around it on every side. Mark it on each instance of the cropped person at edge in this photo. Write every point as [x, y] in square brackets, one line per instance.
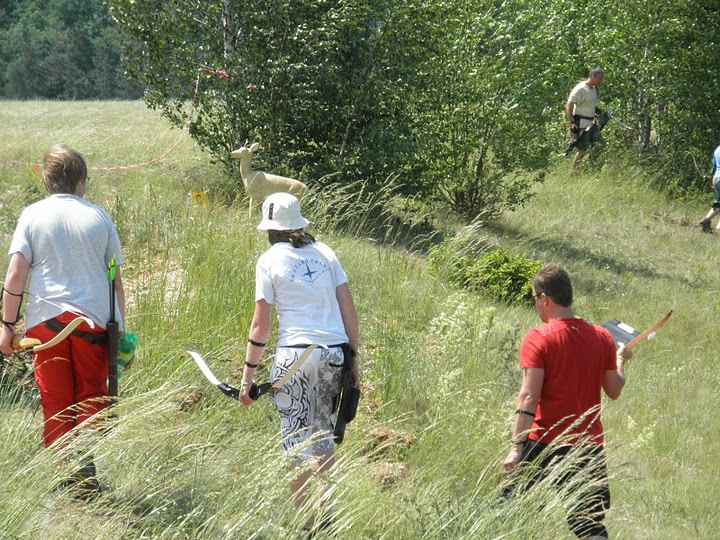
[61, 249]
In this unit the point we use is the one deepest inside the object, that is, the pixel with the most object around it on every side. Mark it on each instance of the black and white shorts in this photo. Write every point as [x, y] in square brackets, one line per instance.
[306, 401]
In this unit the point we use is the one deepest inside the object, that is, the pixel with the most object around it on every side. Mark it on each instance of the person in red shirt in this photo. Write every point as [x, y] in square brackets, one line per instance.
[565, 364]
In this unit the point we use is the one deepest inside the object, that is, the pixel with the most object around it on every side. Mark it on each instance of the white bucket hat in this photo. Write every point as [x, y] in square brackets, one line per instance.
[281, 212]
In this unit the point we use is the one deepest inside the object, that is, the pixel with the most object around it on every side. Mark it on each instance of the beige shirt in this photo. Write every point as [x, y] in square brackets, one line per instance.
[584, 98]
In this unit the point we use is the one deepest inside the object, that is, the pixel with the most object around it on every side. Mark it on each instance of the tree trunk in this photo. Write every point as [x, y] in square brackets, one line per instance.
[229, 32]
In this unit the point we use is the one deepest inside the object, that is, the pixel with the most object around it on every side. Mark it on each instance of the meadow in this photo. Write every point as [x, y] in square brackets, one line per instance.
[439, 365]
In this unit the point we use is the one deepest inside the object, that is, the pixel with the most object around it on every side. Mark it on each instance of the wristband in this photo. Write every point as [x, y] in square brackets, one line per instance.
[256, 343]
[251, 366]
[527, 413]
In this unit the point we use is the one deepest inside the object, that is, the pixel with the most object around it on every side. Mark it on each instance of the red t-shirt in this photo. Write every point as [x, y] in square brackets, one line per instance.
[575, 356]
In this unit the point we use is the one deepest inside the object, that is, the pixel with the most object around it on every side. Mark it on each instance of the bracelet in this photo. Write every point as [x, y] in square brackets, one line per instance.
[251, 366]
[517, 442]
[528, 413]
[256, 343]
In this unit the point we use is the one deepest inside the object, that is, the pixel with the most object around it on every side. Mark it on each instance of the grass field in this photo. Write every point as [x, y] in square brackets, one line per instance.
[439, 366]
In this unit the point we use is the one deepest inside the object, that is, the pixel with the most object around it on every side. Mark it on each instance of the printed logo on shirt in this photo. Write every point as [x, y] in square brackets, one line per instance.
[309, 270]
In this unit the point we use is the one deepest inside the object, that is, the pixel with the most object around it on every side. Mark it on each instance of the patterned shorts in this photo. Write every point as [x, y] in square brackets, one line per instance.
[307, 400]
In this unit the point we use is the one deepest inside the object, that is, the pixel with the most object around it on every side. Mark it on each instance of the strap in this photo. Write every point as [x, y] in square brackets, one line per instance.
[13, 294]
[297, 365]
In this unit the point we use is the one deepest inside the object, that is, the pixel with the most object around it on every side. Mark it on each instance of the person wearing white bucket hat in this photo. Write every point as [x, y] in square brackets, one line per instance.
[281, 212]
[305, 281]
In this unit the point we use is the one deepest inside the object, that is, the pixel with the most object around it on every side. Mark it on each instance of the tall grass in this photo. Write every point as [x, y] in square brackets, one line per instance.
[439, 366]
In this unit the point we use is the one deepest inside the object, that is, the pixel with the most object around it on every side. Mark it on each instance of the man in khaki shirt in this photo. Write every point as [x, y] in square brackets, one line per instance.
[580, 112]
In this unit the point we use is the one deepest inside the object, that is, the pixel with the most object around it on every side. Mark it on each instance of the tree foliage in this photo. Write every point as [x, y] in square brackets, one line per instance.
[664, 82]
[323, 86]
[461, 101]
[57, 49]
[494, 96]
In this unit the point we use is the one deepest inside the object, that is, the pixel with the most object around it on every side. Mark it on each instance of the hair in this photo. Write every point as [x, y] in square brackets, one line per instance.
[596, 72]
[553, 280]
[63, 169]
[297, 238]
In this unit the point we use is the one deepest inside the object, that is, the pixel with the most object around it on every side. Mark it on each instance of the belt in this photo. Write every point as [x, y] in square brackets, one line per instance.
[96, 339]
[306, 345]
[585, 117]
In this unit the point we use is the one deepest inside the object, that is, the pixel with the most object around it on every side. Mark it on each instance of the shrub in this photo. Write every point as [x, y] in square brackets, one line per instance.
[496, 271]
[503, 274]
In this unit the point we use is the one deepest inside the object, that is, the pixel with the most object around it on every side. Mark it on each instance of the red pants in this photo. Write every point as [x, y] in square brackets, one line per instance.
[72, 377]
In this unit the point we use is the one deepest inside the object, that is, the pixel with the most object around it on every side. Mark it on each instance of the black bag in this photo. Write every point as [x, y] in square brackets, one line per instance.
[349, 403]
[349, 397]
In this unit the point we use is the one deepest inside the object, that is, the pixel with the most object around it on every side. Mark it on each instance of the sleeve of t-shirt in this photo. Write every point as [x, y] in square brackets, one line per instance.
[113, 247]
[611, 357]
[577, 95]
[339, 276]
[21, 239]
[531, 355]
[338, 273]
[263, 283]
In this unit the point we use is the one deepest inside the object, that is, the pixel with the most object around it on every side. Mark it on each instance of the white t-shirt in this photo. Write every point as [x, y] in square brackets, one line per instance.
[302, 284]
[69, 243]
[584, 97]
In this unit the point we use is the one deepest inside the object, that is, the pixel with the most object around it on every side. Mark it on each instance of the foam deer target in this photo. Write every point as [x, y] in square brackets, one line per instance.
[258, 184]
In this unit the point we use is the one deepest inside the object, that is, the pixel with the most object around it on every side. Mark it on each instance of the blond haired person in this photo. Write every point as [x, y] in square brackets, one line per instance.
[60, 250]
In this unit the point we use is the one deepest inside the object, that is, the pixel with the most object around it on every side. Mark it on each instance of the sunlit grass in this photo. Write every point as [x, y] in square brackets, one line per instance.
[439, 366]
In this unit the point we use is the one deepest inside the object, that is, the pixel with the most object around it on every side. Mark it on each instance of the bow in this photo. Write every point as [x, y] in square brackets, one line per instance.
[601, 123]
[637, 339]
[65, 332]
[225, 388]
[256, 390]
[37, 346]
[24, 343]
[706, 179]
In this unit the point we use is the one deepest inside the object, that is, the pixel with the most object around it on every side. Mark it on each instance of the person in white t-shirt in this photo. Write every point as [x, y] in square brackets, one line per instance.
[304, 280]
[714, 179]
[60, 250]
[580, 110]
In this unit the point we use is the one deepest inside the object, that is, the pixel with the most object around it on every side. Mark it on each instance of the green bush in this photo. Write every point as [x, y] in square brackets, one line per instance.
[496, 271]
[503, 274]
